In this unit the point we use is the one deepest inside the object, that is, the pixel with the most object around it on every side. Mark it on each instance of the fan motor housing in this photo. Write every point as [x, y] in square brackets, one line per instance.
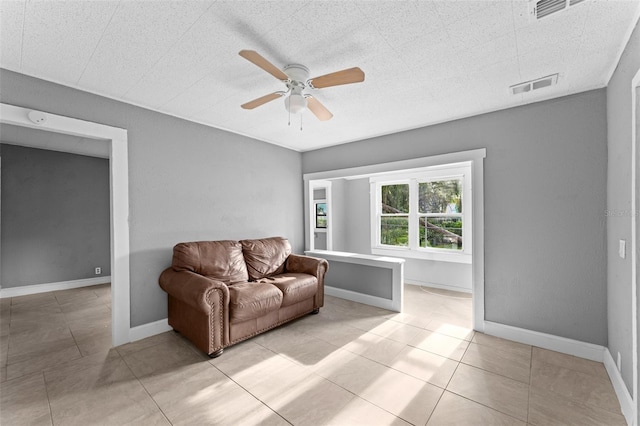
[297, 73]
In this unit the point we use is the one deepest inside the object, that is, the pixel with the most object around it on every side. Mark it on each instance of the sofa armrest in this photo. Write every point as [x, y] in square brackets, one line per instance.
[192, 289]
[308, 265]
[312, 266]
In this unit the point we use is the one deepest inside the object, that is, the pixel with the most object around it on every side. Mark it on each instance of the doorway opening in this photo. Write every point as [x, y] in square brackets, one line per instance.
[116, 139]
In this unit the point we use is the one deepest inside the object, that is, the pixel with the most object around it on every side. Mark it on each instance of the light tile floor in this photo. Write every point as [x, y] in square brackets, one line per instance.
[352, 364]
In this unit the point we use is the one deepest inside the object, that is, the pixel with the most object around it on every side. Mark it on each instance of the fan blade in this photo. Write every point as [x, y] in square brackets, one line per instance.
[257, 59]
[348, 76]
[318, 109]
[262, 100]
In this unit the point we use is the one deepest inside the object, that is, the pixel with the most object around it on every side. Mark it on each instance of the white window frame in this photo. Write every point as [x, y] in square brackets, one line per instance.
[413, 179]
[379, 215]
[315, 216]
[311, 213]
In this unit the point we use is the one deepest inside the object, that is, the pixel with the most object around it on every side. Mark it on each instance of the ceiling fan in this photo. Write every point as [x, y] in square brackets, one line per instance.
[296, 78]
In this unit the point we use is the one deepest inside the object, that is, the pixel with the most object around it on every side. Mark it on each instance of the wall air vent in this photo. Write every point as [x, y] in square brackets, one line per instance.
[528, 86]
[542, 8]
[547, 7]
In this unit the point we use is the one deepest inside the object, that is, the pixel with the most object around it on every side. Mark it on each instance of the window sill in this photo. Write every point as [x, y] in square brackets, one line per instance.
[407, 253]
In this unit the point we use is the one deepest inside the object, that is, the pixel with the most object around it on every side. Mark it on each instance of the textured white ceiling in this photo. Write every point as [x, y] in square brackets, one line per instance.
[425, 61]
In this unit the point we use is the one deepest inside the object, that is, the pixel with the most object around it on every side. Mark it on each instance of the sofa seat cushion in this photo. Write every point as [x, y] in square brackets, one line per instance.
[252, 300]
[295, 287]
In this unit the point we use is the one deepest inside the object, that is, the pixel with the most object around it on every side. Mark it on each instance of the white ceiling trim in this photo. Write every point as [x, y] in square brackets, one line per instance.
[623, 45]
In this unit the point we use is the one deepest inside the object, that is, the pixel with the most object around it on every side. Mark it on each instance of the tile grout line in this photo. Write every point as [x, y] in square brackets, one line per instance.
[145, 388]
[435, 407]
[6, 363]
[362, 397]
[380, 363]
[480, 403]
[406, 374]
[575, 400]
[486, 406]
[46, 390]
[331, 381]
[497, 374]
[249, 392]
[68, 326]
[392, 368]
[574, 371]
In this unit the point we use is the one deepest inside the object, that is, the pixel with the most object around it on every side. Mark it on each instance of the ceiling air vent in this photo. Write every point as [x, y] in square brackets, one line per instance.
[528, 86]
[543, 8]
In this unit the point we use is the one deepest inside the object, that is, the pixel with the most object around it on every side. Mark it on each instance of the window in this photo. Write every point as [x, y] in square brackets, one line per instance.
[321, 215]
[394, 216]
[440, 214]
[421, 214]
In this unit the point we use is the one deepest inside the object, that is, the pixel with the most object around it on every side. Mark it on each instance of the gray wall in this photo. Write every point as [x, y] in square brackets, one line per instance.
[55, 216]
[619, 121]
[363, 279]
[352, 196]
[545, 194]
[340, 214]
[186, 182]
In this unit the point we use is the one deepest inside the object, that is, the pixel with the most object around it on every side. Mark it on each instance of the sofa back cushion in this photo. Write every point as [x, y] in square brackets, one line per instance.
[265, 257]
[220, 260]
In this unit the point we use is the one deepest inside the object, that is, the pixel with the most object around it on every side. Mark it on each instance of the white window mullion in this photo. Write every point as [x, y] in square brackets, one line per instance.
[413, 215]
[467, 212]
[374, 208]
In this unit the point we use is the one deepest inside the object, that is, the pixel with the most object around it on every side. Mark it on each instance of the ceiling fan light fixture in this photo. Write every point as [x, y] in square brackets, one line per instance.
[296, 79]
[295, 103]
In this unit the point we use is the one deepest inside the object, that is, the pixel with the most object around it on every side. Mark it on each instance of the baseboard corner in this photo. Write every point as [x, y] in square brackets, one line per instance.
[552, 342]
[623, 394]
[150, 329]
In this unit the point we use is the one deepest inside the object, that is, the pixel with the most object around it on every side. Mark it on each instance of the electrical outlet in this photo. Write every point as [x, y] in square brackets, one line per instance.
[622, 249]
[98, 270]
[619, 362]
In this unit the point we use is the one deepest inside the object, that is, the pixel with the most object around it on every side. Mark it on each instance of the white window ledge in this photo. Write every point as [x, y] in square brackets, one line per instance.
[440, 256]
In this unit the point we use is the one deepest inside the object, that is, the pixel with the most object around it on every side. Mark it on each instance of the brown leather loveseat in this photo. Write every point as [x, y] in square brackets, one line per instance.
[223, 292]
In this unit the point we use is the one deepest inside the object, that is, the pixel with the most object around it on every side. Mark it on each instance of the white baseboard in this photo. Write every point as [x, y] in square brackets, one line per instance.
[624, 397]
[441, 286]
[147, 330]
[546, 341]
[360, 298]
[43, 288]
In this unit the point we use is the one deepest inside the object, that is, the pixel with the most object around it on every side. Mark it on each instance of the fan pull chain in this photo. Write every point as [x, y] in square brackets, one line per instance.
[301, 114]
[289, 109]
